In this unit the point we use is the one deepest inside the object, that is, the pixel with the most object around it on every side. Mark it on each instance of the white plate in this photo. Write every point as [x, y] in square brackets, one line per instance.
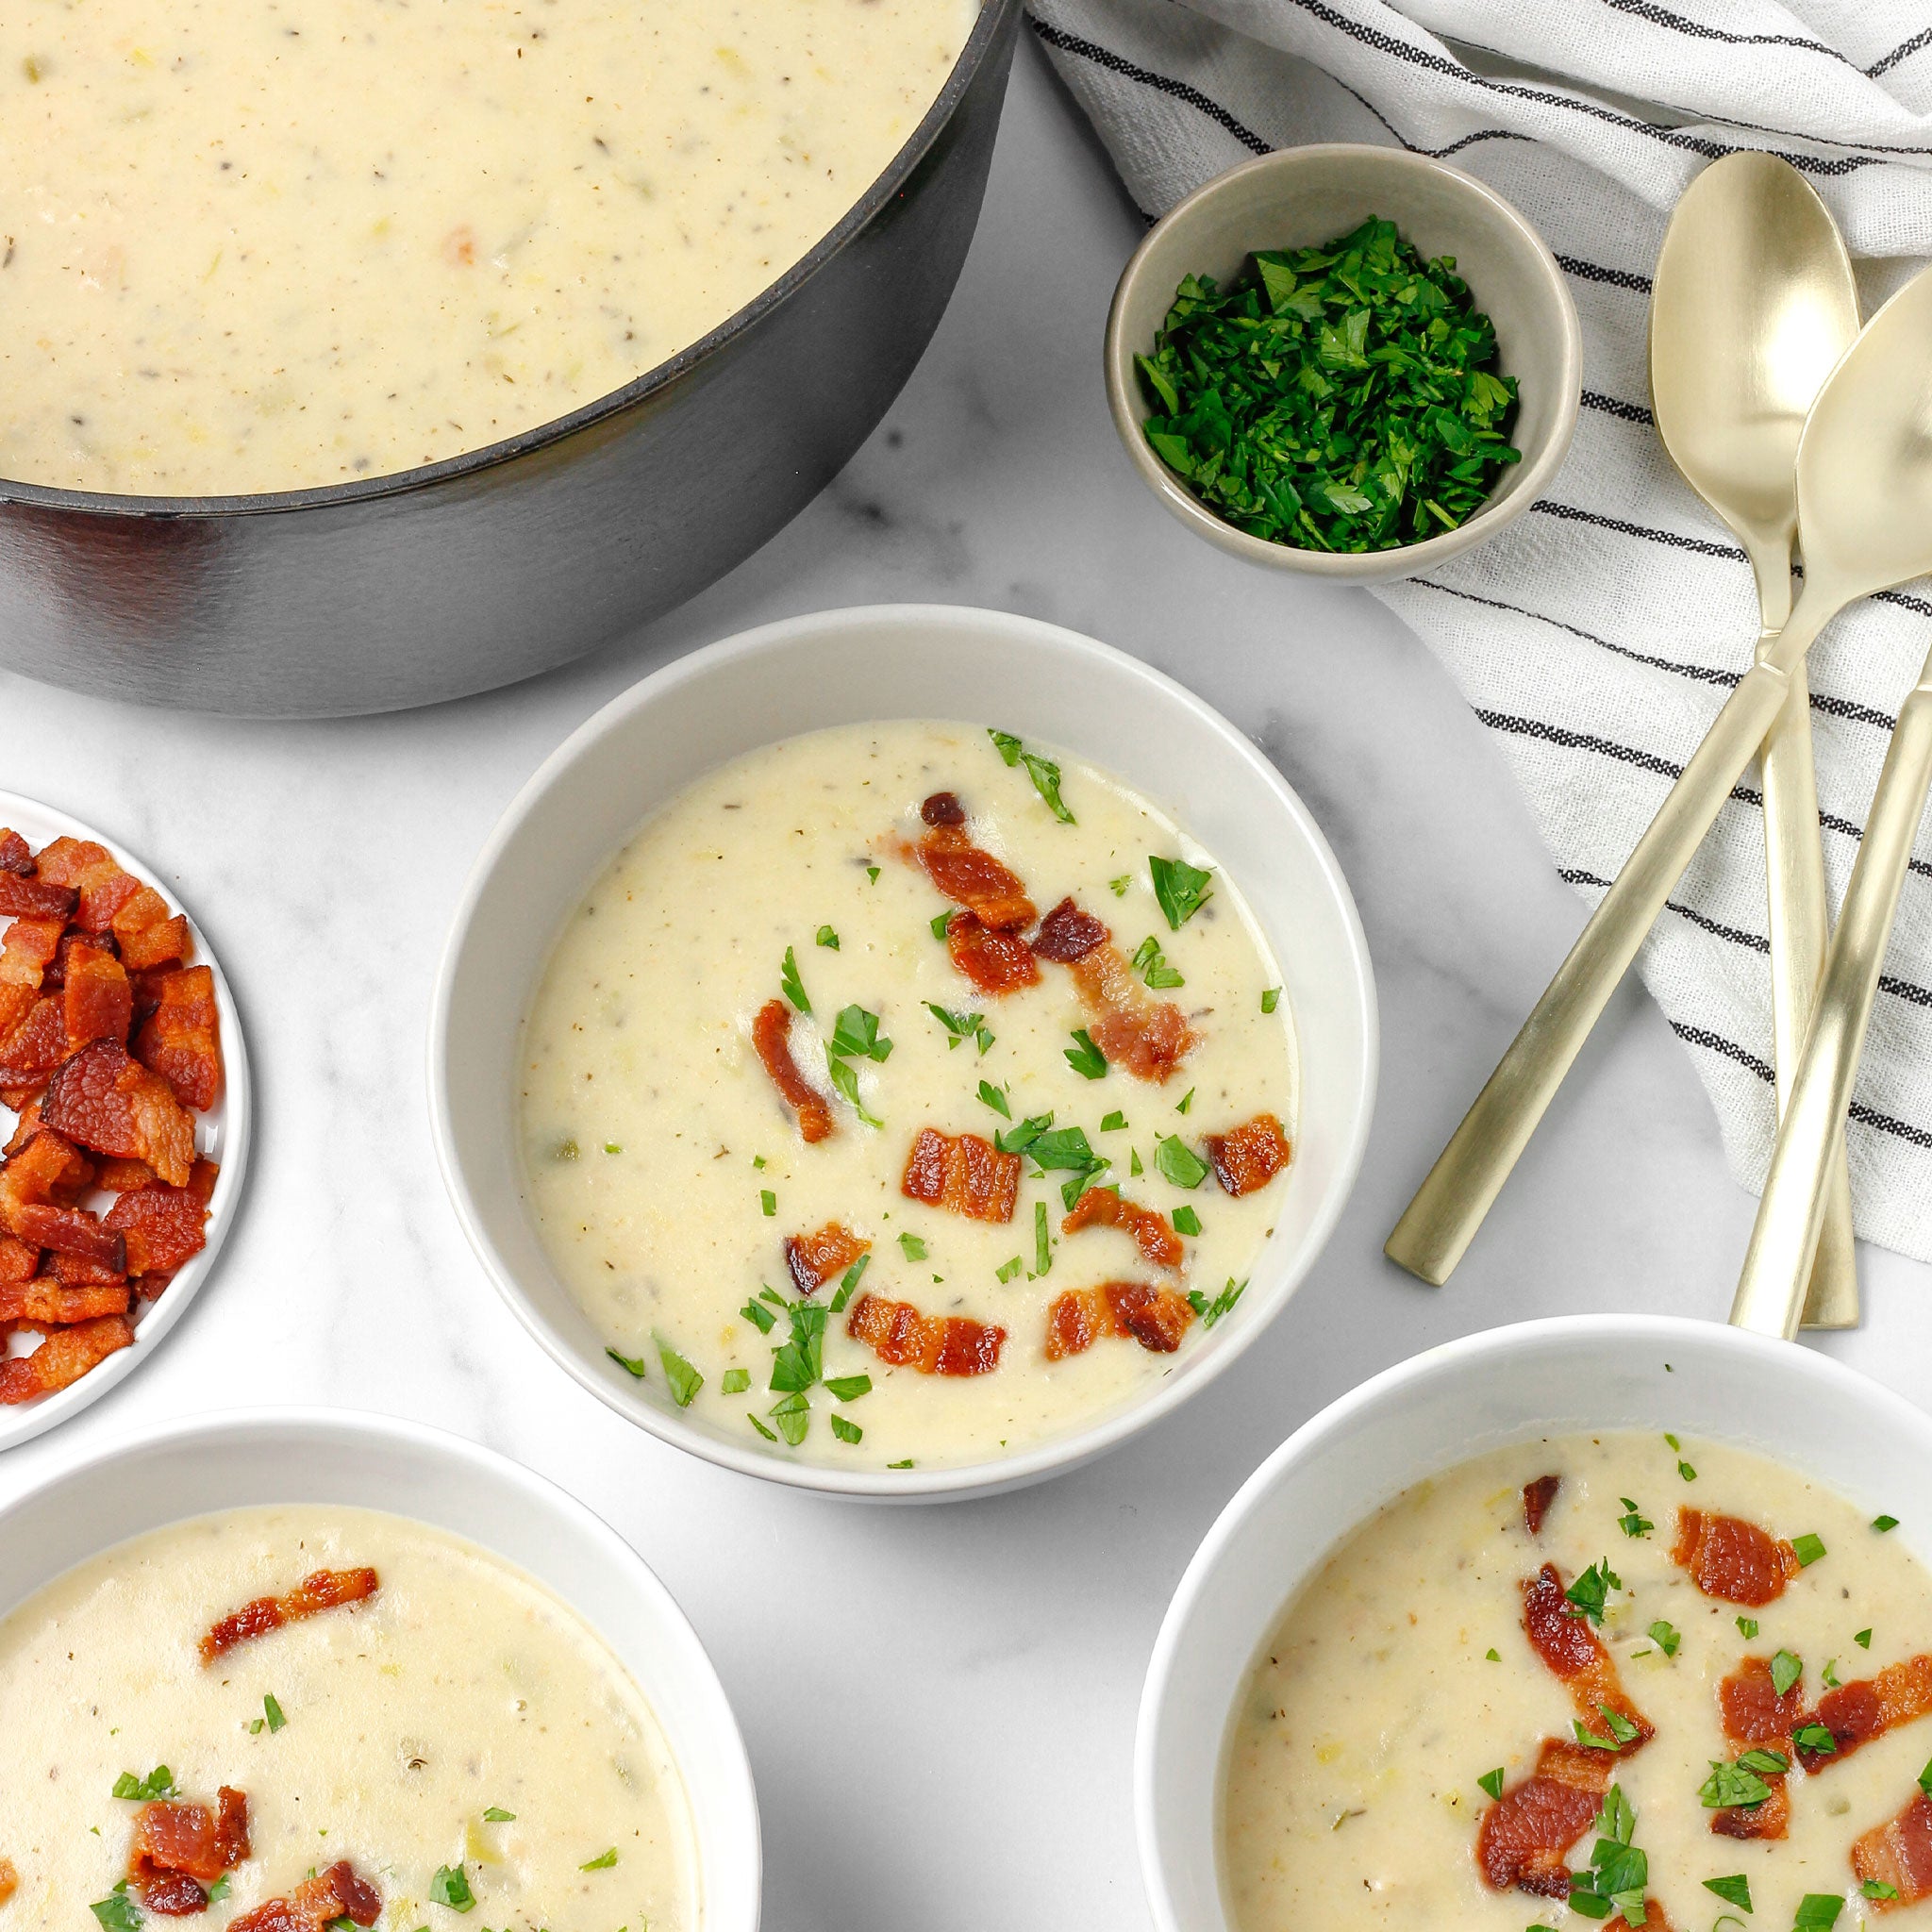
[842, 667]
[221, 1134]
[255, 1458]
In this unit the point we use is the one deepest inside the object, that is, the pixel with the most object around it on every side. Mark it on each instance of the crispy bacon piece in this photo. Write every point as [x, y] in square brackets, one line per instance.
[164, 1227]
[995, 962]
[1536, 1498]
[1067, 934]
[1153, 1233]
[182, 1040]
[1858, 1712]
[1145, 1036]
[771, 1033]
[46, 1300]
[16, 855]
[962, 1174]
[335, 1893]
[70, 1271]
[91, 872]
[25, 1128]
[22, 897]
[149, 936]
[125, 1177]
[1898, 1854]
[1250, 1156]
[1565, 1641]
[942, 809]
[97, 1001]
[326, 1590]
[189, 1842]
[974, 878]
[896, 1332]
[63, 1357]
[37, 1188]
[1525, 1836]
[1755, 1715]
[1157, 1318]
[104, 1099]
[27, 952]
[1732, 1560]
[18, 1261]
[814, 1259]
[35, 1048]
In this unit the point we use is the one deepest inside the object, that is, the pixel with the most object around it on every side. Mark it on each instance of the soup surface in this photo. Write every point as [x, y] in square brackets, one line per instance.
[263, 245]
[457, 1734]
[755, 1274]
[1408, 1750]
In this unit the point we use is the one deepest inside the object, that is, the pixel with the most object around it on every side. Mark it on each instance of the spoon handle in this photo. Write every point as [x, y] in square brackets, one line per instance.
[1449, 1206]
[1777, 1266]
[1800, 926]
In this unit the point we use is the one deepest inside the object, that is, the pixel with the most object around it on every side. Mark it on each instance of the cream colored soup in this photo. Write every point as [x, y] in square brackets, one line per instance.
[664, 1172]
[1402, 1675]
[259, 244]
[460, 1688]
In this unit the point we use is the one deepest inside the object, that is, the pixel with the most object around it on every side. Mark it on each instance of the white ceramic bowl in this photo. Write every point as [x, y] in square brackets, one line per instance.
[842, 667]
[1698, 1379]
[221, 1134]
[1301, 197]
[213, 1463]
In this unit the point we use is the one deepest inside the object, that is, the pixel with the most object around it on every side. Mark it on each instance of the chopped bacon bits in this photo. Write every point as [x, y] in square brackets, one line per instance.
[1157, 1318]
[815, 1258]
[63, 1358]
[30, 1055]
[46, 1302]
[1755, 1714]
[1250, 1156]
[942, 809]
[1858, 1712]
[1732, 1560]
[105, 1100]
[1526, 1834]
[995, 962]
[974, 878]
[181, 1040]
[337, 1894]
[37, 1186]
[326, 1590]
[963, 1175]
[897, 1333]
[771, 1033]
[164, 1227]
[97, 1002]
[1898, 1854]
[1153, 1233]
[1142, 1036]
[1067, 934]
[1572, 1650]
[16, 856]
[1536, 1498]
[179, 1848]
[35, 898]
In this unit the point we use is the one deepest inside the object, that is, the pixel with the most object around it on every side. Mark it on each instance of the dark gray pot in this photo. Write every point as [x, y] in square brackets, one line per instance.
[403, 590]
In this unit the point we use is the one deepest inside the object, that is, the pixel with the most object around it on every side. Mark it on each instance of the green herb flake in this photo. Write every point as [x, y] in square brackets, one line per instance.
[1732, 1786]
[601, 1862]
[1134, 1166]
[1085, 1057]
[847, 1282]
[1666, 1637]
[1151, 964]
[845, 1078]
[1270, 999]
[1828, 1676]
[793, 1418]
[799, 1361]
[1491, 1782]
[845, 1431]
[1807, 1549]
[1925, 1780]
[1044, 772]
[1632, 1521]
[1212, 1311]
[1878, 1889]
[996, 1099]
[1115, 1123]
[828, 937]
[734, 1381]
[116, 1912]
[1815, 1739]
[634, 1363]
[272, 1713]
[961, 1026]
[755, 1313]
[1010, 1268]
[856, 1035]
[611, 1147]
[1685, 1471]
[1186, 1102]
[159, 1783]
[1493, 1657]
[789, 983]
[1043, 1240]
[497, 1815]
[1747, 1628]
[1186, 1221]
[221, 1888]
[1864, 1638]
[1786, 1670]
[760, 1426]
[849, 1387]
[1672, 1440]
[1882, 1524]
[1591, 1592]
[940, 922]
[872, 875]
[1181, 889]
[451, 1887]
[684, 1380]
[912, 1247]
[906, 1463]
[1119, 886]
[1734, 1891]
[1816, 1911]
[1179, 1163]
[768, 1201]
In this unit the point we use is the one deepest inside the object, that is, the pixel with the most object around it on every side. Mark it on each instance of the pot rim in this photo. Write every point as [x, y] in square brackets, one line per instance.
[987, 28]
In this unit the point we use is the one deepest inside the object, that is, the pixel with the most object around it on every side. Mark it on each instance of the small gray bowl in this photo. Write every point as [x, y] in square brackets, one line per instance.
[1302, 196]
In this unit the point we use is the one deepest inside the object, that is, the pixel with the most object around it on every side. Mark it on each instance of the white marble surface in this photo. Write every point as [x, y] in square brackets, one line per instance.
[940, 1704]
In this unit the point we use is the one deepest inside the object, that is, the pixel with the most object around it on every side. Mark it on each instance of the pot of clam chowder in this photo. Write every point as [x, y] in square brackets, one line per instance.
[357, 371]
[1624, 1618]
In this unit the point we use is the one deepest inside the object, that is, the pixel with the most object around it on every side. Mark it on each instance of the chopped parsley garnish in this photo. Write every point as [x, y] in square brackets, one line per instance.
[1815, 1739]
[221, 1888]
[1807, 1549]
[734, 1381]
[1862, 1637]
[497, 1815]
[1186, 1102]
[451, 1887]
[755, 1313]
[1181, 889]
[789, 983]
[940, 922]
[1186, 1221]
[1492, 1655]
[1618, 1873]
[1085, 1057]
[601, 1862]
[1734, 1891]
[272, 1713]
[1591, 1590]
[793, 1417]
[1881, 1523]
[1747, 1628]
[996, 1099]
[1685, 1471]
[912, 1247]
[847, 1282]
[1633, 1523]
[1210, 1312]
[1018, 1140]
[1180, 1163]
[685, 1380]
[828, 937]
[856, 1032]
[1925, 1780]
[872, 875]
[1785, 1671]
[159, 1783]
[1740, 1785]
[768, 1201]
[799, 1363]
[1818, 1911]
[1007, 1270]
[1666, 1637]
[1621, 1729]
[845, 1078]
[1492, 1781]
[116, 1911]
[634, 1363]
[1828, 1676]
[961, 1026]
[1115, 1123]
[845, 1431]
[1152, 966]
[1042, 1239]
[1877, 1888]
[1672, 1440]
[1270, 999]
[1134, 1166]
[849, 1387]
[905, 1464]
[760, 1426]
[611, 1147]
[1044, 772]
[1063, 1150]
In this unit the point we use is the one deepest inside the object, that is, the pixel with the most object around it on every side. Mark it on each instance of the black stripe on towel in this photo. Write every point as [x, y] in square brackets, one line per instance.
[1865, 1116]
[1610, 405]
[1904, 51]
[1179, 90]
[1658, 16]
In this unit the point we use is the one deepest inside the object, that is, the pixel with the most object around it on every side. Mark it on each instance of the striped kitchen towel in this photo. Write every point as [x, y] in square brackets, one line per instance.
[1597, 635]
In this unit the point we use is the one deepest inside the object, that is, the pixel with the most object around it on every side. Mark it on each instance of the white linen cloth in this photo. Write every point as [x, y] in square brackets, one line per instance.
[1599, 634]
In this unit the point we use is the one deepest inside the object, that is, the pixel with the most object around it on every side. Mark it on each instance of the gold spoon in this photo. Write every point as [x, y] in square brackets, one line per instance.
[1865, 523]
[1752, 306]
[1874, 443]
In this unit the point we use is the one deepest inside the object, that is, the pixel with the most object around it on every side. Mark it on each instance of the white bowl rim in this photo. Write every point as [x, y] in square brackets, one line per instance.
[1378, 1390]
[539, 1492]
[919, 1485]
[1486, 520]
[236, 1118]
